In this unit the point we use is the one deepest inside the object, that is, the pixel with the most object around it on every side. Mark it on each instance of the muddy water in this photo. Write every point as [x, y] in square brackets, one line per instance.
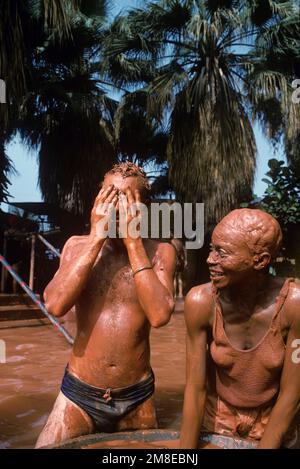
[35, 360]
[134, 444]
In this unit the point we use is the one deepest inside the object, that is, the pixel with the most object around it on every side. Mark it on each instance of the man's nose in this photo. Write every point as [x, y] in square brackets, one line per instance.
[212, 258]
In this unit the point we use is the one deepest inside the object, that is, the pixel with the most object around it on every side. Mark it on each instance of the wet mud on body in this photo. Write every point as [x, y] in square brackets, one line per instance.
[35, 361]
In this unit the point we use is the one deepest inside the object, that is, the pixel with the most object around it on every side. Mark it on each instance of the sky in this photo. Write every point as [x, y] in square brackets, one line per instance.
[24, 184]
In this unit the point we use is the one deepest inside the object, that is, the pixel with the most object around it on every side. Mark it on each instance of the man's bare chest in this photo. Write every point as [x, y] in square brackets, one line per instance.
[246, 331]
[111, 279]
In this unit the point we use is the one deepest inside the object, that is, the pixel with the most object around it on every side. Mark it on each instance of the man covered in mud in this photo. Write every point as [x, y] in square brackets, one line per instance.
[243, 367]
[121, 287]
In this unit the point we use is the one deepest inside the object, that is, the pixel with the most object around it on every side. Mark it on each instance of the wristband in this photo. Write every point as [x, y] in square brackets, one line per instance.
[142, 268]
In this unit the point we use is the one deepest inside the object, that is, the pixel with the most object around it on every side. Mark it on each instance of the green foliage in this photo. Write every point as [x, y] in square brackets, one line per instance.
[207, 69]
[194, 73]
[56, 99]
[5, 169]
[59, 103]
[282, 196]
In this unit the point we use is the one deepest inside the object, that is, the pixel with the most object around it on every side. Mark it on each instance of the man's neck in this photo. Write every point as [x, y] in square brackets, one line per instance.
[117, 244]
[247, 293]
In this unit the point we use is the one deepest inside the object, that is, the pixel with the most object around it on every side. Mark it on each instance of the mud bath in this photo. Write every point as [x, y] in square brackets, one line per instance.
[134, 444]
[36, 358]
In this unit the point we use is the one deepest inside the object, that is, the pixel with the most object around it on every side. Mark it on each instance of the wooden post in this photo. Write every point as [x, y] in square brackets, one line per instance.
[3, 273]
[32, 262]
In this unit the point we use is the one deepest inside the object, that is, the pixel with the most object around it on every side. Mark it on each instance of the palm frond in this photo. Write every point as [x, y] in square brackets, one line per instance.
[139, 136]
[208, 145]
[6, 168]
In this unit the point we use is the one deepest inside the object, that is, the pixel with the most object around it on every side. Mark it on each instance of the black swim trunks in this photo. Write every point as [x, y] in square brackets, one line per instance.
[106, 407]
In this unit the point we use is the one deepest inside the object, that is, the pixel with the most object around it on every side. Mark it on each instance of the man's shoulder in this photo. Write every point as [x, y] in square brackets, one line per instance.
[295, 289]
[292, 303]
[74, 242]
[77, 238]
[201, 295]
[199, 303]
[291, 308]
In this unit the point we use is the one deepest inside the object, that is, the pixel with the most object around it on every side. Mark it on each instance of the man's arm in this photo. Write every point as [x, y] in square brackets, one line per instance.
[197, 310]
[288, 401]
[77, 260]
[154, 286]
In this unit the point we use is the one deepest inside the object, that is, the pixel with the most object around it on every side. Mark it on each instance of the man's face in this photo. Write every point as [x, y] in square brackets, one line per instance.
[122, 184]
[131, 182]
[230, 260]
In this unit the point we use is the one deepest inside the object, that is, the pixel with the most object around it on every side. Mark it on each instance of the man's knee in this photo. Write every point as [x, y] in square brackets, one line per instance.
[67, 420]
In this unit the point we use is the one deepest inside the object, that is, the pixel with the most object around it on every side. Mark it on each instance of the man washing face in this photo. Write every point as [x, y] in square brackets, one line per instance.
[120, 287]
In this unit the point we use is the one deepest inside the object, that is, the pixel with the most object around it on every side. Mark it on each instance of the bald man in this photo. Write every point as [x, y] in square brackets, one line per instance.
[243, 330]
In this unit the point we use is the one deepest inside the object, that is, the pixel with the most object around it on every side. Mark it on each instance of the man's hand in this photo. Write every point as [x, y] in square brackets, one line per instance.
[103, 208]
[129, 212]
[79, 256]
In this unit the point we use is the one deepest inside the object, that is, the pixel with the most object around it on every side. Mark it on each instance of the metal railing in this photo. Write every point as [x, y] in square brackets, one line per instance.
[29, 288]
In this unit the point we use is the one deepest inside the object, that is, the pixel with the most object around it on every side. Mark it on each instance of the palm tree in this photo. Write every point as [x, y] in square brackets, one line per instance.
[5, 169]
[194, 60]
[63, 109]
[66, 114]
[20, 26]
[279, 49]
[142, 140]
[63, 116]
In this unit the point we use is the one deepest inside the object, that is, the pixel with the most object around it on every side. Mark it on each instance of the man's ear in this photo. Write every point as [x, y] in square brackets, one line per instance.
[262, 260]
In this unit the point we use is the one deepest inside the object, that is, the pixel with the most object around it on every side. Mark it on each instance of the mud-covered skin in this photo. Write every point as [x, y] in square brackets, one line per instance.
[67, 420]
[114, 312]
[238, 264]
[111, 347]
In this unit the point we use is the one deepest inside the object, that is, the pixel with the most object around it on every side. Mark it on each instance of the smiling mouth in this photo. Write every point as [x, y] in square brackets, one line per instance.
[216, 274]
